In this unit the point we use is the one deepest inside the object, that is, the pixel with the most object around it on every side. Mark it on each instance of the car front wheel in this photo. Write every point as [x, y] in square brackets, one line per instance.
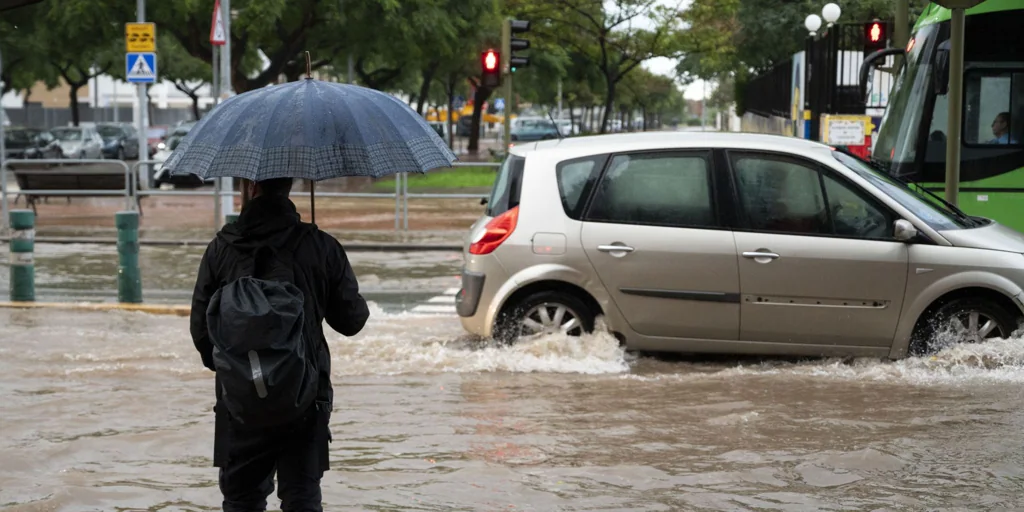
[965, 320]
[545, 313]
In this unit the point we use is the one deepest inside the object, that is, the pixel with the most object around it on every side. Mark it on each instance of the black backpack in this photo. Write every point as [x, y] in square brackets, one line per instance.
[263, 355]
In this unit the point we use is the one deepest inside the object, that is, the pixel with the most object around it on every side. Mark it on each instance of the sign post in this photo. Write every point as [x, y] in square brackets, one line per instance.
[140, 39]
[222, 11]
[217, 40]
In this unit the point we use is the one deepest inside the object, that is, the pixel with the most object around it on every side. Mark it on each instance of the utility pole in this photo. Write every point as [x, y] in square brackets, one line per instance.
[901, 32]
[143, 118]
[506, 75]
[227, 188]
[955, 93]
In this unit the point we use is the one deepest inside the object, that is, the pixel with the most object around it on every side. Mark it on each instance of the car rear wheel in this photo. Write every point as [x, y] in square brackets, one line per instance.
[966, 320]
[543, 314]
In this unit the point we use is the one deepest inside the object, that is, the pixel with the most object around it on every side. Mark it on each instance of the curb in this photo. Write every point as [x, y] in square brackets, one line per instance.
[153, 309]
[351, 247]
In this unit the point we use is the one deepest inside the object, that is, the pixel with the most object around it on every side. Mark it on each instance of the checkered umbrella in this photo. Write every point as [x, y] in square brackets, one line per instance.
[309, 129]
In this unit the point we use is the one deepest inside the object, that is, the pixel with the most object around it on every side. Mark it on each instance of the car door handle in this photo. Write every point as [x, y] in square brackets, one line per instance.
[757, 254]
[615, 248]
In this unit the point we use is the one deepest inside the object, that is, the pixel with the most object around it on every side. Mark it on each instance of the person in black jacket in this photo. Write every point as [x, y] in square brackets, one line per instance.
[249, 458]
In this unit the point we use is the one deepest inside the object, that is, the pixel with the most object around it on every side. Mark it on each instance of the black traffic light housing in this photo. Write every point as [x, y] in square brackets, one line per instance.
[876, 36]
[490, 69]
[518, 44]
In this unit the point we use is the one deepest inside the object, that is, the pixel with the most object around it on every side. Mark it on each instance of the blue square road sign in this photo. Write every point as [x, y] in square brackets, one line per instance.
[140, 68]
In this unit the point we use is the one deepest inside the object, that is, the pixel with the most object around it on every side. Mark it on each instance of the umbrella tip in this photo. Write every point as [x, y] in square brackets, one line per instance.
[309, 73]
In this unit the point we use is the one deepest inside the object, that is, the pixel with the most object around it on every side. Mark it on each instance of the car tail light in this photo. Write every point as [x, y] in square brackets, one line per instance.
[495, 232]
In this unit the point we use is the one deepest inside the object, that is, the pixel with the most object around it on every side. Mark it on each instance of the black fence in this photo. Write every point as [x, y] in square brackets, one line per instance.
[770, 94]
[831, 82]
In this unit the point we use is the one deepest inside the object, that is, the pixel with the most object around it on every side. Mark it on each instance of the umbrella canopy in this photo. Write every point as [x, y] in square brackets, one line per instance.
[309, 129]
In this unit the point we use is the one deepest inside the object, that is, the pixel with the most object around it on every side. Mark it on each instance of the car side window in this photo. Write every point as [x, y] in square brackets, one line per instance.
[780, 195]
[657, 189]
[854, 216]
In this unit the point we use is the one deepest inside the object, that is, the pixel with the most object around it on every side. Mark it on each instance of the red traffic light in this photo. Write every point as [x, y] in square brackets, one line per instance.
[875, 32]
[490, 60]
[875, 35]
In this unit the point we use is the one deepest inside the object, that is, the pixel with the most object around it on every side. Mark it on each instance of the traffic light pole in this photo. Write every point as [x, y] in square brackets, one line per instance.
[506, 75]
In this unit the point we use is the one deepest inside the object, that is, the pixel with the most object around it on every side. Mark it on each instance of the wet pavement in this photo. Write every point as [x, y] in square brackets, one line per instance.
[111, 411]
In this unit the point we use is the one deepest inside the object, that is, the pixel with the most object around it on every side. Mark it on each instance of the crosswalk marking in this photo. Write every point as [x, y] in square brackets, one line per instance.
[443, 304]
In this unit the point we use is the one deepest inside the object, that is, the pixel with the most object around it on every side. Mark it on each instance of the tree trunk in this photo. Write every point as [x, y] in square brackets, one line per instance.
[448, 120]
[195, 106]
[427, 77]
[643, 109]
[73, 88]
[479, 98]
[572, 116]
[609, 103]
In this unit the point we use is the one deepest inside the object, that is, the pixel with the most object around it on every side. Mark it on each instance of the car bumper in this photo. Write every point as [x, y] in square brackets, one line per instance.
[476, 302]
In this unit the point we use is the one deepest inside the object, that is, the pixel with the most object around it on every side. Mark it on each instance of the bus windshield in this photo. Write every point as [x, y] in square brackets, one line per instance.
[900, 127]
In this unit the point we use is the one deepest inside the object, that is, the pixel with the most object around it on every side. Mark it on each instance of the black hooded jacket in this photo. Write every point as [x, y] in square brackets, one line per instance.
[322, 273]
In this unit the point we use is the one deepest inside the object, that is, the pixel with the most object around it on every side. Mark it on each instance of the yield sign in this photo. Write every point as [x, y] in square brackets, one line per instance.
[217, 35]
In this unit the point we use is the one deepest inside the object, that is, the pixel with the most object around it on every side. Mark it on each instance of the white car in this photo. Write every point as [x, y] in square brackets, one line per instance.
[79, 142]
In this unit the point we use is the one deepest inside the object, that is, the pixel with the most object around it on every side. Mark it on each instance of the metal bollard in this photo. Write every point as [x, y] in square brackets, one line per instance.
[129, 279]
[231, 217]
[23, 270]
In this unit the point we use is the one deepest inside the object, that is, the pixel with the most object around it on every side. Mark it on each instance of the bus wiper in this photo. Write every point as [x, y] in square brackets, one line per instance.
[881, 167]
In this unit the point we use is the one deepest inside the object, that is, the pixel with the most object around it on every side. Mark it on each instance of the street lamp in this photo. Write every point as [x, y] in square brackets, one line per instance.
[812, 23]
[831, 13]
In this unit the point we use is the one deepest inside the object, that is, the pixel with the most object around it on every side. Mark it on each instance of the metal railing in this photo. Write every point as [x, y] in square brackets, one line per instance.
[132, 192]
[128, 191]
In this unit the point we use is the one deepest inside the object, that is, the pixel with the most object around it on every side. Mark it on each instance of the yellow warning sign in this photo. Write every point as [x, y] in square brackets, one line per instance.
[140, 37]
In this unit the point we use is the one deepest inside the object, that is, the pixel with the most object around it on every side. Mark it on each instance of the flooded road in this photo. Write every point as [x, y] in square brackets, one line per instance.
[111, 411]
[397, 281]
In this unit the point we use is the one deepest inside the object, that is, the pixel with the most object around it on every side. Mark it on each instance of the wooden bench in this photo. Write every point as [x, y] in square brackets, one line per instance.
[38, 181]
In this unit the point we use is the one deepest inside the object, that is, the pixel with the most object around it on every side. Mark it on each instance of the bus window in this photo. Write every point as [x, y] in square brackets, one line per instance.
[993, 107]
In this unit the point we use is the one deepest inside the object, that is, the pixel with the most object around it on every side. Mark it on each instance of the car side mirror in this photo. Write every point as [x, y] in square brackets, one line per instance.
[904, 231]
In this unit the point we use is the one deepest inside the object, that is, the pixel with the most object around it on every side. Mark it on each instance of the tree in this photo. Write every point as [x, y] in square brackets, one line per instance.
[188, 73]
[21, 48]
[280, 29]
[98, 42]
[607, 36]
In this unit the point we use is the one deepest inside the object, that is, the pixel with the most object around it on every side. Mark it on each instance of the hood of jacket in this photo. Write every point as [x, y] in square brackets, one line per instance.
[265, 220]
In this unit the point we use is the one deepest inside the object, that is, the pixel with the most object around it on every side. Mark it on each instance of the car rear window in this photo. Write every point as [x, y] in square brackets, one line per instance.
[576, 180]
[505, 194]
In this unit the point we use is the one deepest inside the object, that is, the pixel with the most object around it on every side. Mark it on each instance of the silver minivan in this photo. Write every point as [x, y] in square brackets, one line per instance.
[732, 243]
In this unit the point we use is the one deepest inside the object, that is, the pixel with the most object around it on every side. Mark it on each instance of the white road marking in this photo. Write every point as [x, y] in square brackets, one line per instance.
[443, 304]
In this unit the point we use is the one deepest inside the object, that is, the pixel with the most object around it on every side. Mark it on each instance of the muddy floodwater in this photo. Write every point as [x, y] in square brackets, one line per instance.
[112, 412]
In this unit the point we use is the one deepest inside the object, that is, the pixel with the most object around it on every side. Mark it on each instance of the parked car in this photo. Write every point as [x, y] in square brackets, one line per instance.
[732, 243]
[81, 142]
[31, 143]
[534, 129]
[120, 140]
[154, 136]
[164, 150]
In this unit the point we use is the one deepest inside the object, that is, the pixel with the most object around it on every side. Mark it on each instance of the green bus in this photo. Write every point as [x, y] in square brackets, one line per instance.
[911, 141]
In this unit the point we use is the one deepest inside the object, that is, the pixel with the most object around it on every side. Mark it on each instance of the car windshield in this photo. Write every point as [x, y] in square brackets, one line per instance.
[938, 216]
[108, 131]
[67, 134]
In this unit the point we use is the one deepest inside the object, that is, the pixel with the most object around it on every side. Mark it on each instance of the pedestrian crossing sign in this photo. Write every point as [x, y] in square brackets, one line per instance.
[140, 68]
